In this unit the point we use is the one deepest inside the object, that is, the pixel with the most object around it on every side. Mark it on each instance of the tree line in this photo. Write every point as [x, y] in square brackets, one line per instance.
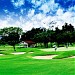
[64, 36]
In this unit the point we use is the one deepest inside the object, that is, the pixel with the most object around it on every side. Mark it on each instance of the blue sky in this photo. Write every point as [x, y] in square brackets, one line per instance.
[36, 13]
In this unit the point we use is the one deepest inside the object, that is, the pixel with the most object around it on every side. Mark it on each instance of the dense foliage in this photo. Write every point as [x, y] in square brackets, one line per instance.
[10, 36]
[64, 36]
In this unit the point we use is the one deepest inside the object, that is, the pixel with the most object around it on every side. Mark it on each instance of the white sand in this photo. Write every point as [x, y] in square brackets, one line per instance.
[72, 57]
[17, 53]
[44, 57]
[1, 54]
[31, 52]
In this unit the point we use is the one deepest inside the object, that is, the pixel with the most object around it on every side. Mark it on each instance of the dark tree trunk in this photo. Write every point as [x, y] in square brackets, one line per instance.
[36, 45]
[51, 45]
[71, 44]
[14, 48]
[41, 44]
[58, 44]
[46, 45]
[66, 45]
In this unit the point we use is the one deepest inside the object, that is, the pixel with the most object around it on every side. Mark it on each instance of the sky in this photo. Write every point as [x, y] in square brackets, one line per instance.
[36, 13]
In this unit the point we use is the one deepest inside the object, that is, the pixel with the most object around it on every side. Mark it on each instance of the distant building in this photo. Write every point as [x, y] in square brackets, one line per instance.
[28, 43]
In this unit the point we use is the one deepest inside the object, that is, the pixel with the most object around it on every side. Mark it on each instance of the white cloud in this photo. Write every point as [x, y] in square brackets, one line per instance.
[6, 11]
[62, 17]
[72, 9]
[17, 3]
[59, 12]
[33, 1]
[45, 8]
[38, 2]
[40, 20]
[21, 11]
[49, 6]
[31, 13]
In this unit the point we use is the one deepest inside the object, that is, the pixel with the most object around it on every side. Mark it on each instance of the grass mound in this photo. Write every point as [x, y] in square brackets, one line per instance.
[65, 54]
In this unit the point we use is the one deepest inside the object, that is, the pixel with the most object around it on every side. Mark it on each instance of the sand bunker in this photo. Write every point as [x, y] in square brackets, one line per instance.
[1, 54]
[17, 53]
[44, 57]
[72, 57]
[31, 52]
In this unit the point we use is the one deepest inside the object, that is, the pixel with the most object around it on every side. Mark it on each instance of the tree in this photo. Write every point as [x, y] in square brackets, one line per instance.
[12, 33]
[67, 31]
[42, 38]
[38, 38]
[72, 40]
[7, 30]
[67, 28]
[3, 40]
[57, 30]
[64, 36]
[58, 36]
[29, 35]
[51, 36]
[13, 39]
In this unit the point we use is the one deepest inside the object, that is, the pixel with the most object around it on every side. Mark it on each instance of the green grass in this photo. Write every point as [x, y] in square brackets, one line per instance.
[19, 65]
[65, 54]
[25, 65]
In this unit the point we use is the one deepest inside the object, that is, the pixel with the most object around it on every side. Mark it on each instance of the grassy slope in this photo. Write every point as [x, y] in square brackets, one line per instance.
[23, 65]
[19, 65]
